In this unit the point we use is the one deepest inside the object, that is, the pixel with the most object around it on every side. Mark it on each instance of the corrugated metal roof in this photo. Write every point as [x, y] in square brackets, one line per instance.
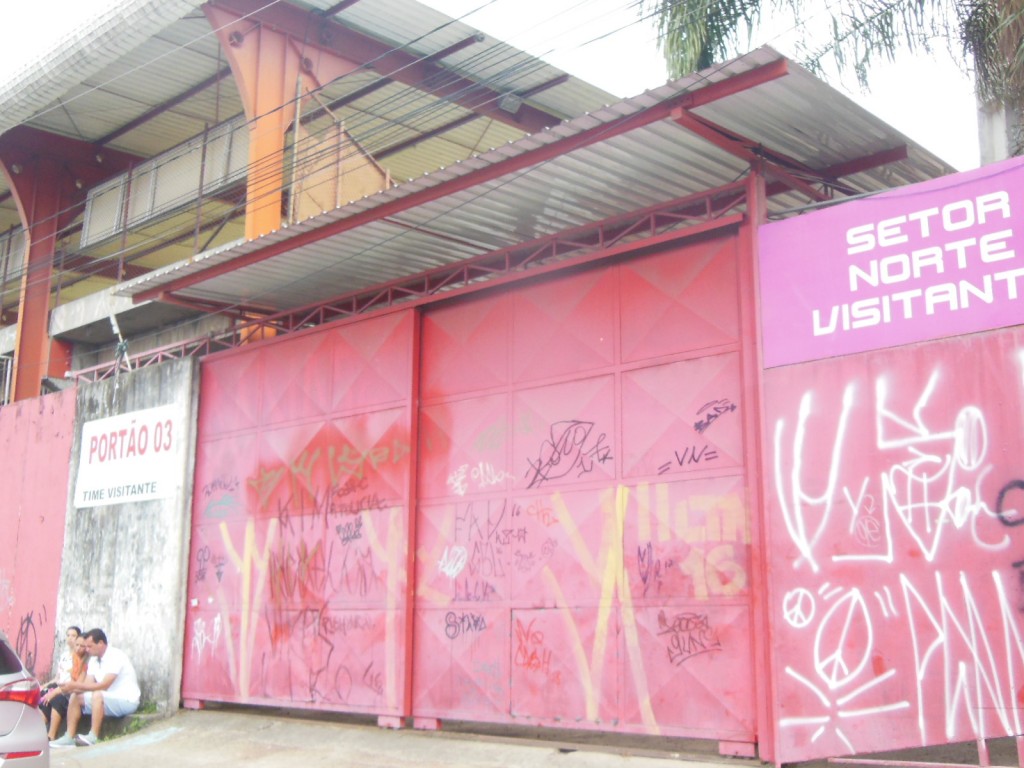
[796, 115]
[182, 50]
[108, 38]
[92, 85]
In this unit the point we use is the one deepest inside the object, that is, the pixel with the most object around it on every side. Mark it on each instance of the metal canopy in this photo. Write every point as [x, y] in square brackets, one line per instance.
[456, 198]
[445, 217]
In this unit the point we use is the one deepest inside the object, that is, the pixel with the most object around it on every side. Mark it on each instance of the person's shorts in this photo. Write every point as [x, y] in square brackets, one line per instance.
[111, 707]
[60, 704]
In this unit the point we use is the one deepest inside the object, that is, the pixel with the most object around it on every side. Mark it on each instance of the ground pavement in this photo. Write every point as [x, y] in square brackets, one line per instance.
[268, 739]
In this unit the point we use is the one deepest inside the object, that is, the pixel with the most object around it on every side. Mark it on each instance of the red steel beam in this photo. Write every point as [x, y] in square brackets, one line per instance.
[749, 150]
[857, 165]
[216, 307]
[868, 162]
[102, 267]
[386, 60]
[441, 129]
[161, 108]
[340, 102]
[394, 149]
[543, 153]
[48, 175]
[339, 7]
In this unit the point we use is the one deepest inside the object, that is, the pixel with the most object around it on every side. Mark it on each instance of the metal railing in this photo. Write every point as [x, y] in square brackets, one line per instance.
[657, 226]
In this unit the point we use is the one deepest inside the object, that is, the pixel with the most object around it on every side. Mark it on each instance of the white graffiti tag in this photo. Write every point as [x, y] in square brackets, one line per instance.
[201, 639]
[453, 561]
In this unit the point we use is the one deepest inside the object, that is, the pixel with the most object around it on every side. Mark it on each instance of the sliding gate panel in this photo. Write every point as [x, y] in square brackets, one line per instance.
[583, 537]
[297, 583]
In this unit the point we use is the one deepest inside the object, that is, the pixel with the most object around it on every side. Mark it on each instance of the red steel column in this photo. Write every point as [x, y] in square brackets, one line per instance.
[49, 176]
[270, 69]
[754, 450]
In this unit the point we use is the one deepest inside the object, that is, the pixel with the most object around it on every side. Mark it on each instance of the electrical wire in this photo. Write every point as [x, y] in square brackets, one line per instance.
[408, 97]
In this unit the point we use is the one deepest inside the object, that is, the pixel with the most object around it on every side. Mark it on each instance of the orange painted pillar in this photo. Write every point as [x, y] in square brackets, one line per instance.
[271, 70]
[48, 176]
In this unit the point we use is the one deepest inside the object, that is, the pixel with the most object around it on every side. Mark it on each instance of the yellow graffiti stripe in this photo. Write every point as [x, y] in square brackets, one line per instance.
[225, 612]
[432, 595]
[583, 555]
[629, 628]
[244, 563]
[613, 581]
[423, 555]
[643, 512]
[662, 510]
[611, 548]
[586, 679]
[396, 581]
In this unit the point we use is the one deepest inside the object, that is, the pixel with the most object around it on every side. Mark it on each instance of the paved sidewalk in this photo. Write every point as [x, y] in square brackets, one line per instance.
[225, 737]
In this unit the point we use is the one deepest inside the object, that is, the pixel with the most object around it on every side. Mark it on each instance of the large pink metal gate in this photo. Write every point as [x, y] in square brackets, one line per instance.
[584, 541]
[578, 540]
[298, 573]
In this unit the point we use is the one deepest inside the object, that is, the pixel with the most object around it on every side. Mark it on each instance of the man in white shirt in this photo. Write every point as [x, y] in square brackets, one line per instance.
[111, 687]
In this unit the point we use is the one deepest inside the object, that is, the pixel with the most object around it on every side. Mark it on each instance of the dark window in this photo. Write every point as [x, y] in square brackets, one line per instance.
[9, 662]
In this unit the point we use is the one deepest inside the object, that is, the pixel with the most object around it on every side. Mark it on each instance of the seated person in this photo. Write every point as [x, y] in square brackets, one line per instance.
[66, 660]
[64, 669]
[54, 703]
[111, 687]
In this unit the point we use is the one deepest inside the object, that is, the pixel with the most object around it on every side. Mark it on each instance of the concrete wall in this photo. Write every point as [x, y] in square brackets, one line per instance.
[125, 565]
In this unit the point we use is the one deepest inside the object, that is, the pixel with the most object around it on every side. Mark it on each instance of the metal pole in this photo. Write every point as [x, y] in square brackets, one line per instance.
[125, 204]
[7, 262]
[199, 194]
[295, 150]
[8, 371]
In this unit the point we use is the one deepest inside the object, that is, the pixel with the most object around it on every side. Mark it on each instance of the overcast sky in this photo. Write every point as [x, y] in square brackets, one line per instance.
[605, 42]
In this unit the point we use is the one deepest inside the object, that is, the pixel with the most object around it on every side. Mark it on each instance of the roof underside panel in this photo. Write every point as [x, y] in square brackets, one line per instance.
[415, 27]
[795, 116]
[803, 118]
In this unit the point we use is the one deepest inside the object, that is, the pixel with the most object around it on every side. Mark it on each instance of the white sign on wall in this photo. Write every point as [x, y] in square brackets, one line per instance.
[128, 458]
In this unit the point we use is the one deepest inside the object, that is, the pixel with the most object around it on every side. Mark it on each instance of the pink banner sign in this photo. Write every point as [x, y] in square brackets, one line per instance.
[927, 261]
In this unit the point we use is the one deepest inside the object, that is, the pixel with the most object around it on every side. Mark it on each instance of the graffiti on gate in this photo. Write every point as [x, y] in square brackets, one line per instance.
[889, 498]
[695, 547]
[464, 623]
[686, 635]
[710, 412]
[481, 476]
[571, 448]
[531, 652]
[203, 639]
[313, 547]
[26, 643]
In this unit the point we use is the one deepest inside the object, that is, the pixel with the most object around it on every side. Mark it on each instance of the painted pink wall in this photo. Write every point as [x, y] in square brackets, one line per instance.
[35, 450]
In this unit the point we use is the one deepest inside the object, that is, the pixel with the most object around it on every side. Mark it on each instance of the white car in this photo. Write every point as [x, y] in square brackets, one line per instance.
[23, 740]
